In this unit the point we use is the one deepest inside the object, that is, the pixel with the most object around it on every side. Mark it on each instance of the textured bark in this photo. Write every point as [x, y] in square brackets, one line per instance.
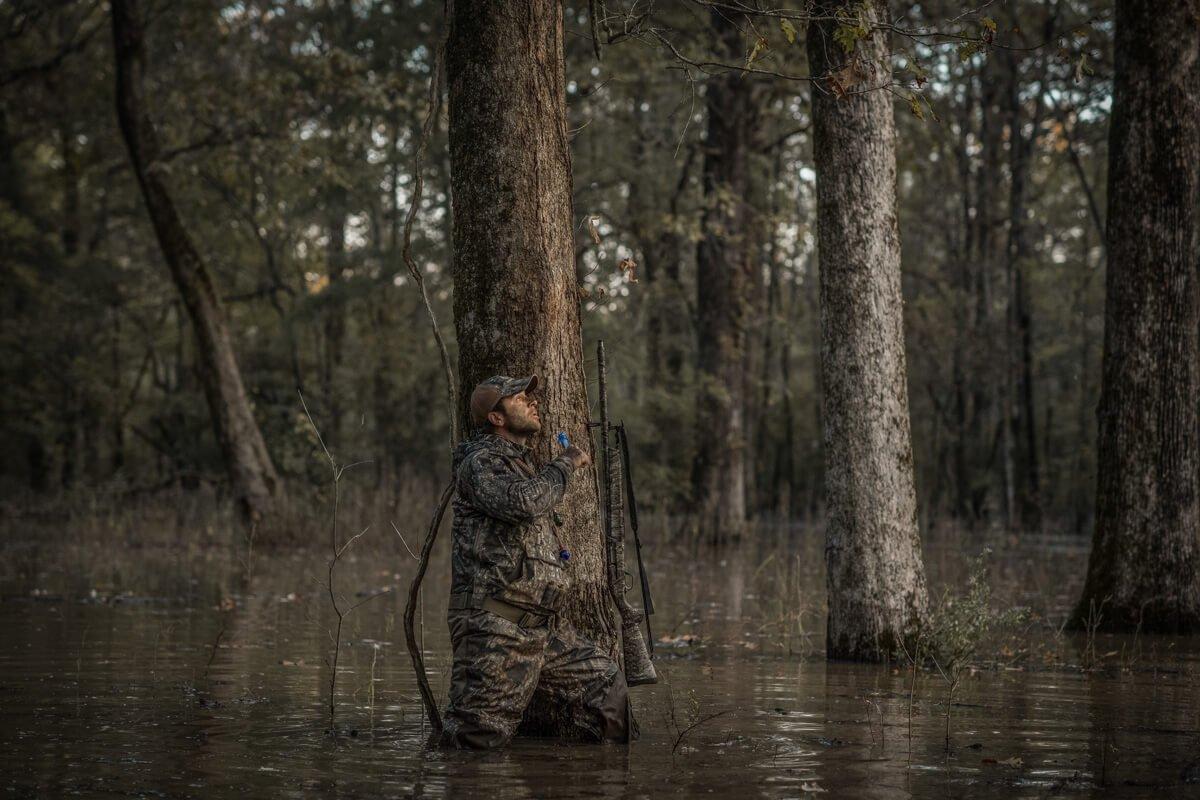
[1145, 562]
[516, 301]
[252, 475]
[876, 580]
[725, 286]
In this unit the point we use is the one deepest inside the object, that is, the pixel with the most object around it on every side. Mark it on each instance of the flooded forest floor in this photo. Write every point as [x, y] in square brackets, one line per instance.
[159, 653]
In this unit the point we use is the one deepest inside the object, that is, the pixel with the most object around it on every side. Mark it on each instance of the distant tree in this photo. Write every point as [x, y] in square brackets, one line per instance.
[1144, 568]
[875, 576]
[516, 299]
[252, 474]
[725, 279]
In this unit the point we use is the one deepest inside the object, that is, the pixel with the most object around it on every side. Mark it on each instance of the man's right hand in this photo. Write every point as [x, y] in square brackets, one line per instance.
[579, 458]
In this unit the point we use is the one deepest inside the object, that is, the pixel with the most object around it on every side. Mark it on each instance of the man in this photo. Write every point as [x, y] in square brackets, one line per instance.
[510, 576]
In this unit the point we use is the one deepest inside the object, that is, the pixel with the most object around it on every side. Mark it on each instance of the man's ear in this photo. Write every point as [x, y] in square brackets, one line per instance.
[496, 419]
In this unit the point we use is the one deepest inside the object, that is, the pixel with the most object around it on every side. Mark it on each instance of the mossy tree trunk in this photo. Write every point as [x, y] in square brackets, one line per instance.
[876, 580]
[1145, 562]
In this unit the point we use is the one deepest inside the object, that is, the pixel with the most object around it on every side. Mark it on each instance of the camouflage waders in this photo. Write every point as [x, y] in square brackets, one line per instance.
[508, 581]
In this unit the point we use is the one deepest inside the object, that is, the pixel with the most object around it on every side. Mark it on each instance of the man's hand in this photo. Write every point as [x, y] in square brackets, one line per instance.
[579, 458]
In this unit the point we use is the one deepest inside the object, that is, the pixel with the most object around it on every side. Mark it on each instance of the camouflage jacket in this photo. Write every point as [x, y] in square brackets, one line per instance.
[504, 542]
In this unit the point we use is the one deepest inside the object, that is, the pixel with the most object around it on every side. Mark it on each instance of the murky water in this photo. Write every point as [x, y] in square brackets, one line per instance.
[161, 671]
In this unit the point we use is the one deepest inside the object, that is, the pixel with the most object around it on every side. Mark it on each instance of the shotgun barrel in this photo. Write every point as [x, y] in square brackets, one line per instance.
[638, 667]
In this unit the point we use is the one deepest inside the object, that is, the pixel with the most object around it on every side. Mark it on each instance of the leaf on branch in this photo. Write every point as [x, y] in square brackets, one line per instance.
[760, 45]
[789, 30]
[628, 268]
[989, 29]
[968, 49]
[594, 229]
[847, 37]
[919, 73]
[1082, 68]
[853, 26]
[914, 105]
[843, 80]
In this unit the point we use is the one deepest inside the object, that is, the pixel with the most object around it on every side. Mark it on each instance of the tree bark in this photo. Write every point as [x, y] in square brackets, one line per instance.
[876, 580]
[1144, 567]
[725, 285]
[254, 481]
[516, 299]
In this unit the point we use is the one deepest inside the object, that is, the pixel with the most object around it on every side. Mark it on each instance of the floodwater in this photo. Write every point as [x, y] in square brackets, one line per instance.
[133, 669]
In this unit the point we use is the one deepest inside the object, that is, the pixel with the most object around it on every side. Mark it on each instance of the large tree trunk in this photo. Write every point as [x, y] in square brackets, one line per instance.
[252, 475]
[875, 578]
[1145, 562]
[725, 286]
[516, 300]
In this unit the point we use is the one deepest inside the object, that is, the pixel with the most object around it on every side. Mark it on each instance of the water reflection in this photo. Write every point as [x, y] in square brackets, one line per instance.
[163, 672]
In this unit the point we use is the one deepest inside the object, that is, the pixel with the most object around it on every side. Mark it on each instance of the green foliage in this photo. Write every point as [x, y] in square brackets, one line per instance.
[961, 622]
[761, 45]
[854, 25]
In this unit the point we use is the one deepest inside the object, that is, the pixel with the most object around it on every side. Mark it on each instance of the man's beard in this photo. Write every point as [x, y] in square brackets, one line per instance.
[526, 425]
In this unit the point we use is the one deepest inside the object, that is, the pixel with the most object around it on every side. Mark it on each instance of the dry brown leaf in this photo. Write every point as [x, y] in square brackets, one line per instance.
[628, 267]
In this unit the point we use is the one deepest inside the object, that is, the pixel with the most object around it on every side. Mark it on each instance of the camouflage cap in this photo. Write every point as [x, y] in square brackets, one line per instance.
[490, 392]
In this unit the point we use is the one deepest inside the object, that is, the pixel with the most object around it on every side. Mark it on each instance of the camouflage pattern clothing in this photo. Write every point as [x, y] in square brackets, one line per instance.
[505, 549]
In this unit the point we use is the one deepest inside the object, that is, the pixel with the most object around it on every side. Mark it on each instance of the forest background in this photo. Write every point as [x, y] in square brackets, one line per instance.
[288, 134]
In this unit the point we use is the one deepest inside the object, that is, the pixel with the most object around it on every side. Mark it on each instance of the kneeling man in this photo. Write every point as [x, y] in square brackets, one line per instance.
[510, 576]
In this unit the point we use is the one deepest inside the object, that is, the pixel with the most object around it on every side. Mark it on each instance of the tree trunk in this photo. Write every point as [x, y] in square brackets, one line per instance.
[724, 278]
[1145, 562]
[252, 475]
[875, 578]
[1020, 317]
[516, 300]
[334, 322]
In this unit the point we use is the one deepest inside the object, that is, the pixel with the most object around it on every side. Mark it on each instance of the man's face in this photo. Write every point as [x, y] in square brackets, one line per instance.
[520, 414]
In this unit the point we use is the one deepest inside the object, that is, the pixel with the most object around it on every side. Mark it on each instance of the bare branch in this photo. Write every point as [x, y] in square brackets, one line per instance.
[406, 547]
